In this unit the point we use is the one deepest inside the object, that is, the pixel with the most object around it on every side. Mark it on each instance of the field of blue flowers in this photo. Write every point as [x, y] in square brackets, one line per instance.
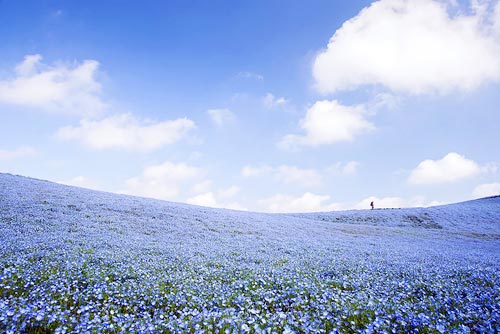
[75, 260]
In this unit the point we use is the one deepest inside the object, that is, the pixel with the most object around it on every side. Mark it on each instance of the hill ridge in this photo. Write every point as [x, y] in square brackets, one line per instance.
[478, 215]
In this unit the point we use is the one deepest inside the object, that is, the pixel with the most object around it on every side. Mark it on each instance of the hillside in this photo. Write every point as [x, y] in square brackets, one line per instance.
[477, 216]
[76, 260]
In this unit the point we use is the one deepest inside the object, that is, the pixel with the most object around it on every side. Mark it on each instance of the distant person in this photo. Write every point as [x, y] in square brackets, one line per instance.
[371, 204]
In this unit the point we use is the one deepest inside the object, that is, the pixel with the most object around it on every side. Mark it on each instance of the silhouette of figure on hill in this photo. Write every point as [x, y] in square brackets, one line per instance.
[372, 205]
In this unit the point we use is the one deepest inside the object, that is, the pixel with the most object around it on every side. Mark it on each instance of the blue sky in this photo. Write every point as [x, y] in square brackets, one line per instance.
[256, 105]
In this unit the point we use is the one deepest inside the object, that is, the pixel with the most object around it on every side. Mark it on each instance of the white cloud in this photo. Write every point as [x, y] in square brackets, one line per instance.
[61, 88]
[271, 101]
[234, 206]
[221, 117]
[82, 182]
[452, 167]
[285, 174]
[20, 152]
[206, 199]
[163, 181]
[340, 168]
[251, 75]
[210, 200]
[328, 122]
[123, 131]
[486, 190]
[308, 202]
[414, 47]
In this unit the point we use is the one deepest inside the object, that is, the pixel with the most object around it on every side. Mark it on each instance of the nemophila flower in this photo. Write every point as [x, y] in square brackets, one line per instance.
[173, 274]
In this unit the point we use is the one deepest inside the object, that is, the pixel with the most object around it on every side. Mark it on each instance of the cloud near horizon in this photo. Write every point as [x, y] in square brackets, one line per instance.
[215, 199]
[414, 47]
[308, 202]
[124, 131]
[209, 199]
[392, 202]
[82, 182]
[486, 190]
[60, 88]
[162, 181]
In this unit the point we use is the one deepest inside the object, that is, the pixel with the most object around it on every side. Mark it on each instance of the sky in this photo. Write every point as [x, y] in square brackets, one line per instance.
[255, 105]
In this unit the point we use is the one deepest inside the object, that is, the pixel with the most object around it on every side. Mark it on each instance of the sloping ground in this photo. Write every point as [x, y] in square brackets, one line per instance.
[477, 216]
[76, 260]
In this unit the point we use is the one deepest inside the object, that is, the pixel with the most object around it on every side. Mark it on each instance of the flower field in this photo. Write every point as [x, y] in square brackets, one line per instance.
[82, 261]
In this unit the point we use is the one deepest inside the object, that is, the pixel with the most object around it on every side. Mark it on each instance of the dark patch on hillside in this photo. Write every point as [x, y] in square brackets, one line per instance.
[421, 221]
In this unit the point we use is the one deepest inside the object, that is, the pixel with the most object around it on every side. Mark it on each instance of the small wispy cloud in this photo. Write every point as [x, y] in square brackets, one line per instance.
[341, 168]
[221, 117]
[250, 75]
[271, 101]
